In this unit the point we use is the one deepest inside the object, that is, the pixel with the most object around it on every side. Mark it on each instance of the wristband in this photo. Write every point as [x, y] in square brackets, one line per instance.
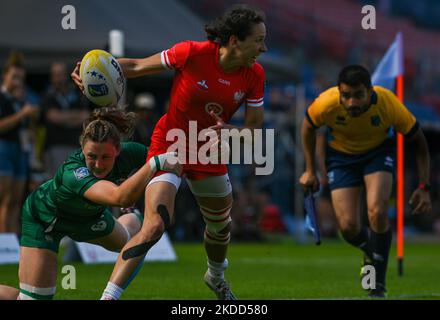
[424, 186]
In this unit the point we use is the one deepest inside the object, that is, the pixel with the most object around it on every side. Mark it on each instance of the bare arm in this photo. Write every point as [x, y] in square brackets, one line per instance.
[321, 144]
[107, 193]
[254, 117]
[133, 68]
[308, 138]
[70, 118]
[422, 155]
[421, 199]
[253, 120]
[10, 122]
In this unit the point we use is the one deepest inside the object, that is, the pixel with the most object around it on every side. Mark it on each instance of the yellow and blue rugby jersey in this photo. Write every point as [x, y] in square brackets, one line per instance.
[356, 135]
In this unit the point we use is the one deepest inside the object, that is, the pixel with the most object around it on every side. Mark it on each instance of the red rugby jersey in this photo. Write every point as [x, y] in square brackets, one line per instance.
[200, 85]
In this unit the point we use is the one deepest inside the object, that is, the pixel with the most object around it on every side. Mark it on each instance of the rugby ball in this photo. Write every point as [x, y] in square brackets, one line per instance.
[102, 78]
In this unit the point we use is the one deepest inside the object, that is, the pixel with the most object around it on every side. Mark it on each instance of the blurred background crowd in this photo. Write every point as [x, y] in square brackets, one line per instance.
[309, 41]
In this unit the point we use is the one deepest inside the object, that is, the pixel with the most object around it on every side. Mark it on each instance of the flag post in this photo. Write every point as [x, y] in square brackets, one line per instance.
[389, 74]
[400, 186]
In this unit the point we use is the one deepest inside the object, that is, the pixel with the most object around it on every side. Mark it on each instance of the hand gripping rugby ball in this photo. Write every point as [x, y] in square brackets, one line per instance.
[102, 78]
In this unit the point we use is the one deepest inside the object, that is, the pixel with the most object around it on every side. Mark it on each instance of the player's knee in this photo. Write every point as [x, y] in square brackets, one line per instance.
[155, 225]
[377, 212]
[349, 230]
[227, 228]
[218, 225]
[379, 223]
[151, 230]
[218, 232]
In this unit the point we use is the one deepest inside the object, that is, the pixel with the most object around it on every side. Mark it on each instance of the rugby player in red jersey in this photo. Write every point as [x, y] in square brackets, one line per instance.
[212, 79]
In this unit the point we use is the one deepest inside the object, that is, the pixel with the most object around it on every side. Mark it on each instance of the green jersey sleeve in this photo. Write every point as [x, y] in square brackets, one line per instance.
[78, 179]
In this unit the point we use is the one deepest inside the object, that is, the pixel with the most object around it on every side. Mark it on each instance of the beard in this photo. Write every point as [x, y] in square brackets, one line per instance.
[355, 111]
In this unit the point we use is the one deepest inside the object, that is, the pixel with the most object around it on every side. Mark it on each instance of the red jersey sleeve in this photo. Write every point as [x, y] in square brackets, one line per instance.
[176, 56]
[255, 98]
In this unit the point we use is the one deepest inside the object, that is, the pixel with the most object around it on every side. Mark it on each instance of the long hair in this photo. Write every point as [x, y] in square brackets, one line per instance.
[108, 123]
[237, 21]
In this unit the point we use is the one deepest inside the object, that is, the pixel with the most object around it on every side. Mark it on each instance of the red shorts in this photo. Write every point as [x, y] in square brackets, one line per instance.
[159, 145]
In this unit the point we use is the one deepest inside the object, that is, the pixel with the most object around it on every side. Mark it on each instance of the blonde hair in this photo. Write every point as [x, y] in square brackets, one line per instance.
[108, 123]
[15, 59]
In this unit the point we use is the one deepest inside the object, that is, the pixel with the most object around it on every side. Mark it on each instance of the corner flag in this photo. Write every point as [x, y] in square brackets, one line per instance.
[391, 65]
[388, 73]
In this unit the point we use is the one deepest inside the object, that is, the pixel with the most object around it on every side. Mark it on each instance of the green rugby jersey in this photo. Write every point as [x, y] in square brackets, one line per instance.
[63, 195]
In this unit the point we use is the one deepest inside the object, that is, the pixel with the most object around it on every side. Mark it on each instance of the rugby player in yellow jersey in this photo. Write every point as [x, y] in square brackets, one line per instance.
[360, 120]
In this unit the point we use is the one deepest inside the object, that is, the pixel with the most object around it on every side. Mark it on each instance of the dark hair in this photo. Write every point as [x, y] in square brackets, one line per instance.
[355, 75]
[15, 59]
[108, 123]
[237, 21]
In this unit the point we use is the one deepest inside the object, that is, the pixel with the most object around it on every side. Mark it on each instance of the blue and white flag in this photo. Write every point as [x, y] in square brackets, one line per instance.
[391, 65]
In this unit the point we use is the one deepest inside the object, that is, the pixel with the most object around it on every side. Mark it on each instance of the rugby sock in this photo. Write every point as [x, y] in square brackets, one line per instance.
[380, 245]
[112, 292]
[28, 292]
[216, 270]
[361, 241]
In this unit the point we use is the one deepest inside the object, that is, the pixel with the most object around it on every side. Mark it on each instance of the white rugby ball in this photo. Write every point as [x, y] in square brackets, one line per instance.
[102, 78]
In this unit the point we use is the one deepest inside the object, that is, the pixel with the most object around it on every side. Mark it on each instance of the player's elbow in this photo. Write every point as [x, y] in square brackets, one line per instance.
[123, 199]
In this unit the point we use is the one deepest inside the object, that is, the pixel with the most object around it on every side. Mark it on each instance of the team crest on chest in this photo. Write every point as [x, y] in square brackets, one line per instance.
[341, 120]
[214, 107]
[238, 96]
[375, 121]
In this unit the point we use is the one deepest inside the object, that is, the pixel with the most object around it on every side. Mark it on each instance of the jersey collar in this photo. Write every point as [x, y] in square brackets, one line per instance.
[373, 98]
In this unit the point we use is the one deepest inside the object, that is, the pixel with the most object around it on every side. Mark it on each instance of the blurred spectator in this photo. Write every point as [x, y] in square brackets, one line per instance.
[64, 112]
[244, 218]
[147, 116]
[14, 143]
[35, 140]
[271, 220]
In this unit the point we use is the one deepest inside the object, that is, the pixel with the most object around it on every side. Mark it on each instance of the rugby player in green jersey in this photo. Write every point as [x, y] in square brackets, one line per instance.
[75, 202]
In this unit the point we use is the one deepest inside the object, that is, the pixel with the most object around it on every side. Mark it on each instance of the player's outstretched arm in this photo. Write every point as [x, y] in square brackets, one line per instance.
[107, 193]
[133, 68]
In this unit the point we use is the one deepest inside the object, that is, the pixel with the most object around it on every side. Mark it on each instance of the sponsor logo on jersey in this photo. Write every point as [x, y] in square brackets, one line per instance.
[99, 226]
[202, 84]
[375, 121]
[81, 173]
[214, 107]
[225, 82]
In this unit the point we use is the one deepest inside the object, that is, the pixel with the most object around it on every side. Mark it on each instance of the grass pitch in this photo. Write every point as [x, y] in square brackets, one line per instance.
[282, 270]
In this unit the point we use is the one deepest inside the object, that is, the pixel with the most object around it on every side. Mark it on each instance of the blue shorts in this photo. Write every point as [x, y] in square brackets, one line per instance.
[13, 161]
[347, 170]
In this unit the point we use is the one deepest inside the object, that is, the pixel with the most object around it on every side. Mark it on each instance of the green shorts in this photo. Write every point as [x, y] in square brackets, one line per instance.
[36, 235]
